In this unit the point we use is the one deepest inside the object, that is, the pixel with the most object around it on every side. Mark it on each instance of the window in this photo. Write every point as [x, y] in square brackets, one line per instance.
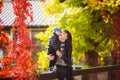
[37, 46]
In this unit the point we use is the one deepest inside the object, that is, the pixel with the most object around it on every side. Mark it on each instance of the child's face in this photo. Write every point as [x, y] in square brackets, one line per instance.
[58, 33]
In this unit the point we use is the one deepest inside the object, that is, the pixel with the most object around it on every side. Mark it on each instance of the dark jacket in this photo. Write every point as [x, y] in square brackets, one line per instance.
[67, 57]
[53, 44]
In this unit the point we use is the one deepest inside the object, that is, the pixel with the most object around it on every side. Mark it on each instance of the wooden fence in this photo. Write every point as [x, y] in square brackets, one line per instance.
[84, 73]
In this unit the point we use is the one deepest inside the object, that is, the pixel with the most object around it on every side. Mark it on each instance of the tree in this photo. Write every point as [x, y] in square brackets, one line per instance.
[88, 21]
[93, 23]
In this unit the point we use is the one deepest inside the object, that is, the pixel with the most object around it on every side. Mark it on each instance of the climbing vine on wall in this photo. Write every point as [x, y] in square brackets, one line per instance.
[18, 62]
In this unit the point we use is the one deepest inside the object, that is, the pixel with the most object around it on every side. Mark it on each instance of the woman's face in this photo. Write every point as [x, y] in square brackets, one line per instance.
[64, 35]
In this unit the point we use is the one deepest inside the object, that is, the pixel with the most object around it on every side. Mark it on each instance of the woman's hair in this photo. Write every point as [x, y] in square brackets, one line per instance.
[69, 36]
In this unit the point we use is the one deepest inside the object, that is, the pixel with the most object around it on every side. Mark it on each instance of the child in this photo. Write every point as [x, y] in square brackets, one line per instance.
[53, 46]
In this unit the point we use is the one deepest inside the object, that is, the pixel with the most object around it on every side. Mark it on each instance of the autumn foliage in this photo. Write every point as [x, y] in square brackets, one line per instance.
[116, 51]
[1, 4]
[18, 63]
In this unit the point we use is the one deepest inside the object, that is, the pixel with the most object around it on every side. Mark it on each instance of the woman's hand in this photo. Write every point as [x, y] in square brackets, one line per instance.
[58, 53]
[51, 57]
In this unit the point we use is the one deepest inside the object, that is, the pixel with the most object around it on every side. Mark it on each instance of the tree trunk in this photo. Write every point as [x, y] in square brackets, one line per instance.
[91, 59]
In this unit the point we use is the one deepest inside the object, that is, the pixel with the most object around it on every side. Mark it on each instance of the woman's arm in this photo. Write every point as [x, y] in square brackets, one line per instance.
[67, 57]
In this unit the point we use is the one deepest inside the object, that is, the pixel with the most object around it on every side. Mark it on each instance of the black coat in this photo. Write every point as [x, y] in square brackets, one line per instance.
[53, 44]
[67, 57]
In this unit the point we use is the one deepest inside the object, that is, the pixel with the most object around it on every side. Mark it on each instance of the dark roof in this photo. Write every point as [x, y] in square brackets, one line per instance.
[8, 16]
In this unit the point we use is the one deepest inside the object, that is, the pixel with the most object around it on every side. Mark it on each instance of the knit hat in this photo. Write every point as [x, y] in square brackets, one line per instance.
[56, 29]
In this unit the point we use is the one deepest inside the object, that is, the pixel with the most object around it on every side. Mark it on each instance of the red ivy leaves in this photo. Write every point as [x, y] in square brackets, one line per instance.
[3, 35]
[1, 5]
[22, 10]
[24, 68]
[3, 38]
[18, 63]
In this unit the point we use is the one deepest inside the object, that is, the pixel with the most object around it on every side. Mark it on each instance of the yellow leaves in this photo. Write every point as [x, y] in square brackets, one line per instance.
[53, 2]
[40, 35]
[118, 1]
[64, 5]
[43, 37]
[73, 10]
[53, 6]
[101, 5]
[1, 0]
[95, 2]
[50, 6]
[110, 5]
[43, 60]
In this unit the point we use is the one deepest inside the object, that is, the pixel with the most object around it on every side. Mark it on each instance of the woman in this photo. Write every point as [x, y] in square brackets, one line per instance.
[63, 63]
